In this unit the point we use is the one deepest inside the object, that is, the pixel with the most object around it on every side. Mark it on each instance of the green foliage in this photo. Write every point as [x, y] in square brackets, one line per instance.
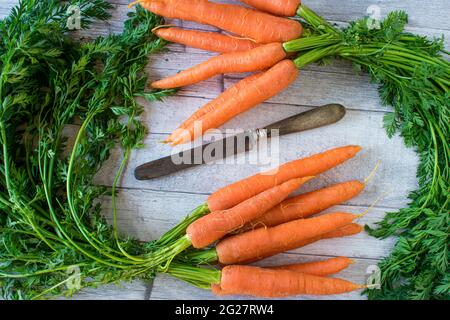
[414, 79]
[50, 218]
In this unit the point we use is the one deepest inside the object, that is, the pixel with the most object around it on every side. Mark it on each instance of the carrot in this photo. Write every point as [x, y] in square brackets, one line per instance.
[248, 23]
[345, 231]
[285, 8]
[315, 268]
[211, 256]
[215, 225]
[213, 105]
[307, 204]
[210, 41]
[260, 282]
[260, 89]
[265, 242]
[256, 59]
[237, 192]
[318, 268]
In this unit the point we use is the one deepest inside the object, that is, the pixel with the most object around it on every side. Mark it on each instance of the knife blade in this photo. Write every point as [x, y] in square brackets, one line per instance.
[243, 142]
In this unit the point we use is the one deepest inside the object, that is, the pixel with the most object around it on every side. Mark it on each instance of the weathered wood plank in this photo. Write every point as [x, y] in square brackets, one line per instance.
[135, 290]
[393, 180]
[314, 88]
[146, 215]
[166, 287]
[316, 85]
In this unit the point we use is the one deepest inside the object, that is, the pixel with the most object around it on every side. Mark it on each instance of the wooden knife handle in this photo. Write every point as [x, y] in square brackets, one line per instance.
[315, 118]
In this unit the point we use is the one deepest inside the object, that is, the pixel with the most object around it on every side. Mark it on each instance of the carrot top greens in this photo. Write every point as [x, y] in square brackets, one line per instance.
[413, 78]
[51, 228]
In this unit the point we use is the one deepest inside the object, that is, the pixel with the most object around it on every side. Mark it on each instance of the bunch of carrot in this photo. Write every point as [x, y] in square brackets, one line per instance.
[255, 46]
[252, 219]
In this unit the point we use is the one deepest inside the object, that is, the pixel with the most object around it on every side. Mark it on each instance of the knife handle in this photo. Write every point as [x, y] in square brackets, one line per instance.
[315, 118]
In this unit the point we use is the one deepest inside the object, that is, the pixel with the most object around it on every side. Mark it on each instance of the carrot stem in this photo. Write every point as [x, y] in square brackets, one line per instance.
[316, 55]
[315, 21]
[311, 42]
[199, 277]
[198, 257]
[180, 229]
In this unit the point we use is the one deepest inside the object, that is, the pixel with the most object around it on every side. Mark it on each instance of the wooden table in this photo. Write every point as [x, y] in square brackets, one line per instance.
[148, 208]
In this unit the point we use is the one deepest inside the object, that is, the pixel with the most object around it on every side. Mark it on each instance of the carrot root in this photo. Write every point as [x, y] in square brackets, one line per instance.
[318, 268]
[241, 97]
[284, 8]
[176, 136]
[266, 283]
[264, 242]
[205, 40]
[256, 59]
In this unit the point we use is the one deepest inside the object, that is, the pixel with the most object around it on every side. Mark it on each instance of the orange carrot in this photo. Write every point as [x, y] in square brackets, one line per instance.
[318, 268]
[237, 192]
[256, 59]
[345, 231]
[248, 23]
[315, 268]
[307, 204]
[262, 88]
[213, 105]
[264, 242]
[211, 256]
[210, 41]
[260, 282]
[215, 225]
[285, 8]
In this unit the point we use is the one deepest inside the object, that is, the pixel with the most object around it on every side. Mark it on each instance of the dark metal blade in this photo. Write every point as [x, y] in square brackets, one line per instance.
[190, 158]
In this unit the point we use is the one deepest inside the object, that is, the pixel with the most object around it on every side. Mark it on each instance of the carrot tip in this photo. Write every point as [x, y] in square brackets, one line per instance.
[240, 38]
[175, 143]
[362, 214]
[372, 174]
[306, 179]
[134, 3]
[162, 26]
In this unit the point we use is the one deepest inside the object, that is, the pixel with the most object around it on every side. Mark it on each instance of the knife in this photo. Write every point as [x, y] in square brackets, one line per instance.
[315, 118]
